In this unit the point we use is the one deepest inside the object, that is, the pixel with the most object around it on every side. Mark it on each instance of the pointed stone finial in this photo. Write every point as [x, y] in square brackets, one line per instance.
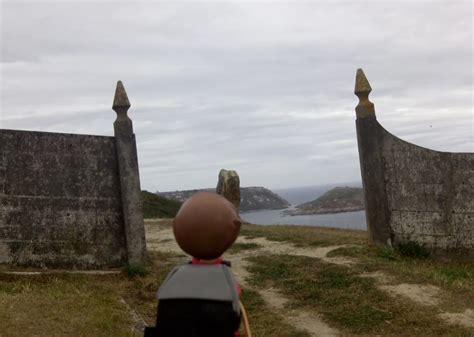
[365, 108]
[362, 84]
[121, 103]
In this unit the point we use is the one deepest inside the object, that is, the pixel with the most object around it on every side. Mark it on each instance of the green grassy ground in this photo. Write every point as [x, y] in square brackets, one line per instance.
[348, 301]
[63, 304]
[155, 206]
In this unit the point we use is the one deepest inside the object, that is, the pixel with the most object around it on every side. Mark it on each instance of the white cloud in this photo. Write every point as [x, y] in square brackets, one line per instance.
[264, 88]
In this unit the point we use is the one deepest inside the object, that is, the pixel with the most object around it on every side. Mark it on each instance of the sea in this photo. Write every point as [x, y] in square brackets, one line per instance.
[298, 195]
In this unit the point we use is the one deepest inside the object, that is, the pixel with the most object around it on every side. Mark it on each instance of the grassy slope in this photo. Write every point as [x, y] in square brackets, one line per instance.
[155, 206]
[352, 302]
[90, 306]
[336, 198]
[87, 305]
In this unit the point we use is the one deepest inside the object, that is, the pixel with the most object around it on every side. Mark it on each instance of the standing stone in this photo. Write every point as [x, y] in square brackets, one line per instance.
[229, 186]
[129, 178]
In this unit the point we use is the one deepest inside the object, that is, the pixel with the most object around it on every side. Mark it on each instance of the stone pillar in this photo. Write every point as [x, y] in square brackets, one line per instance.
[229, 186]
[129, 179]
[370, 141]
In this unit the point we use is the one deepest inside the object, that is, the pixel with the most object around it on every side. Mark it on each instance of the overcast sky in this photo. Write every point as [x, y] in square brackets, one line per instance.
[264, 88]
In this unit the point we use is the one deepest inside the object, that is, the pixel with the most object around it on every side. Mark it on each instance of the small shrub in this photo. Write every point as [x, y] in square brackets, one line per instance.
[413, 249]
[355, 251]
[386, 253]
[452, 274]
[133, 270]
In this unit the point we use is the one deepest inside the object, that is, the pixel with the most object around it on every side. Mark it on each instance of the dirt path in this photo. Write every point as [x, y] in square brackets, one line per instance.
[163, 240]
[427, 295]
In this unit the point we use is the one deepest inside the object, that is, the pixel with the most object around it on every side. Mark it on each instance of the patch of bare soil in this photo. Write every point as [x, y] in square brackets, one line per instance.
[163, 240]
[304, 320]
[429, 295]
[379, 276]
[421, 294]
[465, 318]
[276, 247]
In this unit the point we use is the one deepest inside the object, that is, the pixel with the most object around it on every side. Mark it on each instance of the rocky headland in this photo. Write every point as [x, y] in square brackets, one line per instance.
[337, 200]
[252, 198]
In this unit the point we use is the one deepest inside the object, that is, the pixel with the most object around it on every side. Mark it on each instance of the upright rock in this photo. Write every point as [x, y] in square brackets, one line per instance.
[229, 186]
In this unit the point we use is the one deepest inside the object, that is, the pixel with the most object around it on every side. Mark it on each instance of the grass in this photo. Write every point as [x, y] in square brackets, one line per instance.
[64, 304]
[348, 301]
[304, 236]
[413, 249]
[337, 197]
[79, 305]
[240, 246]
[264, 321]
[156, 206]
[135, 270]
[61, 305]
[450, 273]
[455, 276]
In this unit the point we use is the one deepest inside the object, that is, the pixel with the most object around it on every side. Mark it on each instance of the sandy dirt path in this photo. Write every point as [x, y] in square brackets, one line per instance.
[427, 295]
[163, 240]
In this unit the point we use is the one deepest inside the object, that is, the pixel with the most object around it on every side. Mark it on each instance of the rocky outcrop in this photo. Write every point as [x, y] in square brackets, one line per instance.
[257, 198]
[229, 186]
[337, 200]
[252, 198]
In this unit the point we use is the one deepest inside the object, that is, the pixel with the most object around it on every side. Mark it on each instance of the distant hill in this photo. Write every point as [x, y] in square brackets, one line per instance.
[256, 198]
[155, 206]
[252, 198]
[337, 200]
[302, 194]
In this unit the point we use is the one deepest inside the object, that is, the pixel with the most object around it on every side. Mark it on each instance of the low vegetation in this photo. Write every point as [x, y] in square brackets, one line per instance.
[239, 246]
[304, 236]
[79, 305]
[155, 206]
[349, 301]
[66, 304]
[339, 199]
[453, 274]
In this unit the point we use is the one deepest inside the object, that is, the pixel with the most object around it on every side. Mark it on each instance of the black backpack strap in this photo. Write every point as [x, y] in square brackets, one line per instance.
[233, 286]
[151, 331]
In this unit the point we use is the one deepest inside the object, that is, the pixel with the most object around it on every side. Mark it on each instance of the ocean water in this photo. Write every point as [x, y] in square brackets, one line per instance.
[299, 195]
[346, 220]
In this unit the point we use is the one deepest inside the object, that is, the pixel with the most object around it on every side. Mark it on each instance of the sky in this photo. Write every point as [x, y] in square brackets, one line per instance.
[264, 88]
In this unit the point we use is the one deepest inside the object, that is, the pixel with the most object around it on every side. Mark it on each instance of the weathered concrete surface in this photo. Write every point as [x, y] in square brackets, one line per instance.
[228, 186]
[129, 178]
[71, 200]
[414, 194]
[60, 200]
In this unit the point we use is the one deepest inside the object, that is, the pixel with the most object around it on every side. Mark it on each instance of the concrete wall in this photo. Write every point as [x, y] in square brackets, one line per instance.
[60, 201]
[71, 200]
[413, 194]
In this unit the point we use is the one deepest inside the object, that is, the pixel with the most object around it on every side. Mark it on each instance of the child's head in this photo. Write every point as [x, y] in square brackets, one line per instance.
[206, 225]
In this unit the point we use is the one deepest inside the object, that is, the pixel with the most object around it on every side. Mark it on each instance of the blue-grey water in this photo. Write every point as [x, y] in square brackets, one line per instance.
[347, 220]
[299, 195]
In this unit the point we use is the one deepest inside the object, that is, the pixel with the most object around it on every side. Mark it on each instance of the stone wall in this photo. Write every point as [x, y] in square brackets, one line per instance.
[61, 201]
[413, 194]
